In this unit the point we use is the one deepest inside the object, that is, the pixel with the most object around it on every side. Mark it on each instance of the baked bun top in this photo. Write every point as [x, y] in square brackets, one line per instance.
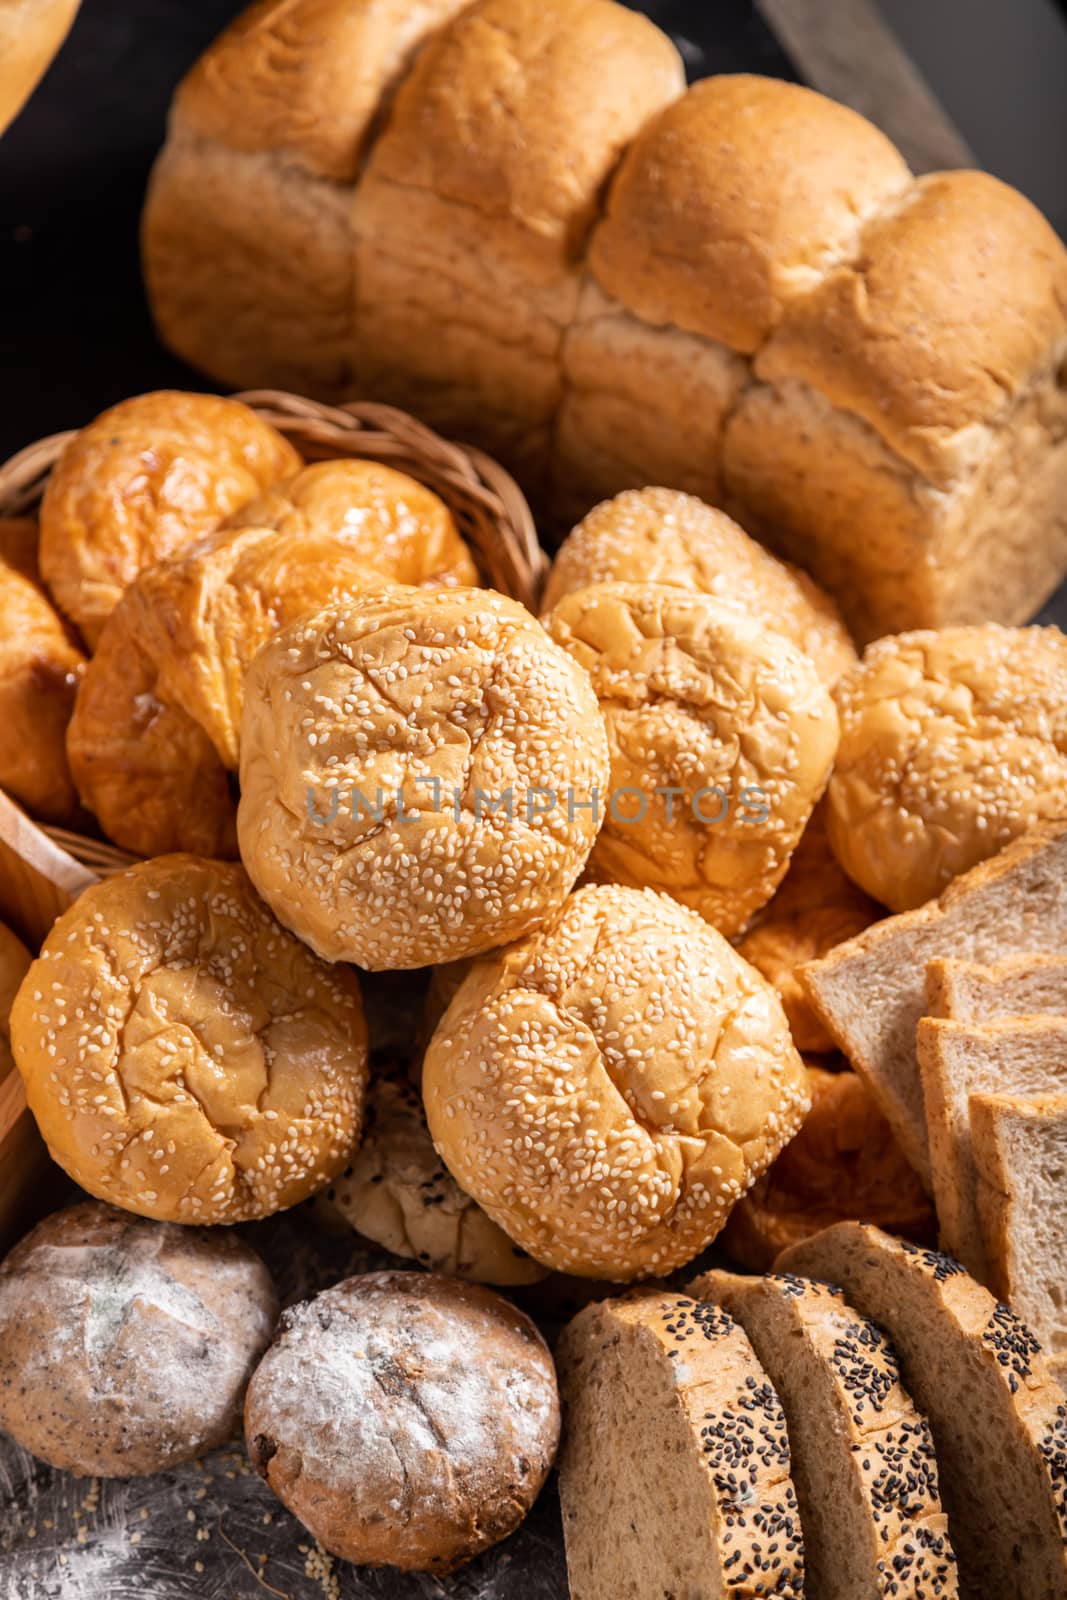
[147, 477]
[721, 740]
[520, 109]
[455, 701]
[392, 522]
[305, 80]
[609, 1087]
[735, 200]
[665, 536]
[184, 1056]
[40, 666]
[952, 744]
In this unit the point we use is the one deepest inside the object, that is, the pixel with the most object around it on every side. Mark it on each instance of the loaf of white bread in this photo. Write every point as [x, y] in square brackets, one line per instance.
[511, 218]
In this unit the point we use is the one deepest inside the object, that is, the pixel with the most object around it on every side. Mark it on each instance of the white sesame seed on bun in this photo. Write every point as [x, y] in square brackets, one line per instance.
[609, 1087]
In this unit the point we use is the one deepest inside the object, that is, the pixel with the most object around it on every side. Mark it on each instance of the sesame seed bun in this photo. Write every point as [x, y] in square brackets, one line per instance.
[952, 745]
[184, 1056]
[720, 711]
[608, 1088]
[355, 714]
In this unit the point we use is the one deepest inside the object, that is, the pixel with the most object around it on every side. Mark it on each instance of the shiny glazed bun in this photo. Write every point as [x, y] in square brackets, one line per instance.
[721, 739]
[609, 1087]
[154, 734]
[844, 1164]
[184, 1056]
[392, 522]
[952, 744]
[39, 670]
[455, 701]
[664, 536]
[149, 476]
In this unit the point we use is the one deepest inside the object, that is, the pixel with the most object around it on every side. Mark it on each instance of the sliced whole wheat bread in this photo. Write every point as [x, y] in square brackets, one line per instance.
[998, 1419]
[1017, 1055]
[862, 1455]
[869, 992]
[1019, 986]
[1020, 1158]
[674, 1474]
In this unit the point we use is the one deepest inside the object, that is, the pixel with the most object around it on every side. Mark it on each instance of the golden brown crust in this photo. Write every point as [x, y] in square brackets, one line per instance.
[146, 478]
[18, 545]
[185, 1057]
[31, 31]
[721, 739]
[664, 536]
[952, 744]
[734, 202]
[39, 671]
[843, 1164]
[610, 1086]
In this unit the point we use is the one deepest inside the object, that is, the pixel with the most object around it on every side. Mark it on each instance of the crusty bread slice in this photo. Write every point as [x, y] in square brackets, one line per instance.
[862, 1456]
[674, 1475]
[1018, 986]
[1020, 1157]
[999, 1420]
[869, 991]
[1020, 1055]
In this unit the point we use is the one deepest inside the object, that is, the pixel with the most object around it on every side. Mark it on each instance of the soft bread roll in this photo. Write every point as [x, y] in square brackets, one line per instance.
[816, 908]
[908, 435]
[40, 666]
[952, 745]
[663, 536]
[31, 32]
[844, 1163]
[407, 1419]
[184, 1056]
[609, 1087]
[125, 1345]
[729, 206]
[417, 770]
[472, 216]
[147, 477]
[721, 740]
[248, 244]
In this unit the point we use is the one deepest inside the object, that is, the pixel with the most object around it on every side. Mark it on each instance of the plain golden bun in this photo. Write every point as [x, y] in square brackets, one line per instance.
[147, 477]
[398, 1193]
[721, 740]
[844, 1164]
[155, 732]
[40, 666]
[184, 1056]
[664, 536]
[398, 527]
[952, 744]
[416, 773]
[31, 32]
[608, 1088]
[126, 1345]
[817, 907]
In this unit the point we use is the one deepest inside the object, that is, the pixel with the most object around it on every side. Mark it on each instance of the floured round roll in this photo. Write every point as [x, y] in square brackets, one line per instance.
[407, 1419]
[843, 1165]
[398, 1193]
[608, 1088]
[664, 536]
[126, 1346]
[40, 666]
[392, 522]
[184, 1056]
[148, 476]
[417, 776]
[721, 739]
[952, 744]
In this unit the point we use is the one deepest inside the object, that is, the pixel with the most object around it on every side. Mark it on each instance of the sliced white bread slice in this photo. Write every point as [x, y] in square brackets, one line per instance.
[998, 1419]
[1024, 1055]
[1019, 986]
[862, 1456]
[1020, 1157]
[869, 992]
[674, 1474]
